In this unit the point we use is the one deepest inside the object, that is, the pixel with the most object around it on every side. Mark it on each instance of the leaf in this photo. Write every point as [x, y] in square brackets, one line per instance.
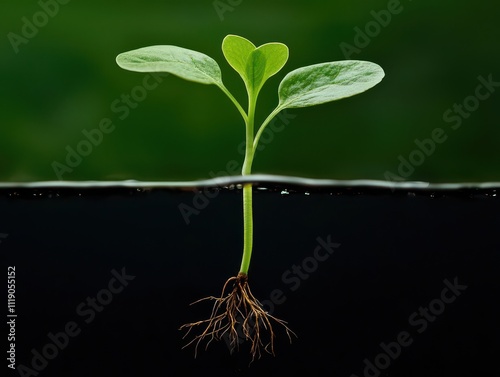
[265, 62]
[236, 50]
[254, 64]
[321, 83]
[187, 64]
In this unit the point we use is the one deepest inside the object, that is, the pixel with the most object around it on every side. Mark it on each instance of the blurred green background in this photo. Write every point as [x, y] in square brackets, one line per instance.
[63, 80]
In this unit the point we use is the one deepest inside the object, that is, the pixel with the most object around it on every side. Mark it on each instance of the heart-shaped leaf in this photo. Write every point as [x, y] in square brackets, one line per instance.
[187, 64]
[321, 83]
[254, 64]
[236, 50]
[265, 62]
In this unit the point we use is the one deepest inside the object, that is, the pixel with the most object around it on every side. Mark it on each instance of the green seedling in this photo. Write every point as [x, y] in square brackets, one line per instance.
[236, 312]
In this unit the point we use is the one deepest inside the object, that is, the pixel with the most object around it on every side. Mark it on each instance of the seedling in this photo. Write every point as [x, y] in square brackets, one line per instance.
[236, 312]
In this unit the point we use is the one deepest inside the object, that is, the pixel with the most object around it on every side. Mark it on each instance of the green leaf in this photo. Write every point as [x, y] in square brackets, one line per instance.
[254, 64]
[321, 83]
[187, 64]
[265, 62]
[236, 50]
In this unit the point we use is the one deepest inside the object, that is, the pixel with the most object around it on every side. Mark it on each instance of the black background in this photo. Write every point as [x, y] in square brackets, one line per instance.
[397, 248]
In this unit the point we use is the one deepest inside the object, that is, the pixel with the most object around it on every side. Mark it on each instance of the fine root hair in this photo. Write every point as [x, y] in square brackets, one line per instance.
[237, 316]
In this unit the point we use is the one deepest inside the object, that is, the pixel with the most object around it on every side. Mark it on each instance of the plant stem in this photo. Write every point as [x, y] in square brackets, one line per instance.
[235, 102]
[263, 126]
[247, 188]
[247, 228]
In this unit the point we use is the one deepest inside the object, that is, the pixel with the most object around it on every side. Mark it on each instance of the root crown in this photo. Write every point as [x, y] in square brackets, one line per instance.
[237, 316]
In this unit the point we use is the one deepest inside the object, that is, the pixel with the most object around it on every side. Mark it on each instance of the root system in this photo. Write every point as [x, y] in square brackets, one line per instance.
[237, 316]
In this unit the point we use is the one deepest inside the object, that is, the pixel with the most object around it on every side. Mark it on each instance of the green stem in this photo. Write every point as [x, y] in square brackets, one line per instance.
[263, 126]
[235, 102]
[247, 228]
[247, 188]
